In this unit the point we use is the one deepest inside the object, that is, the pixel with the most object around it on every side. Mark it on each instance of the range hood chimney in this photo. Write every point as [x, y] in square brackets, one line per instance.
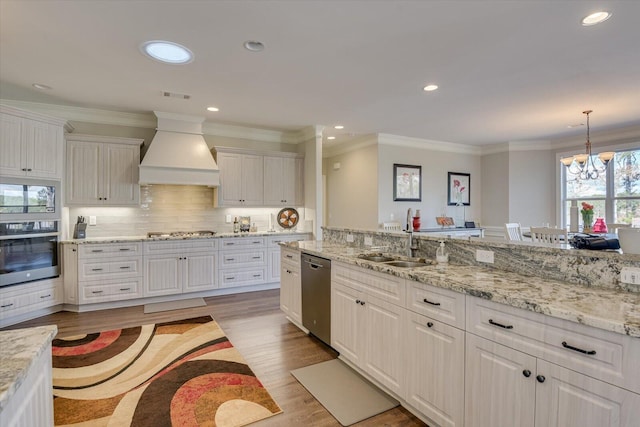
[178, 154]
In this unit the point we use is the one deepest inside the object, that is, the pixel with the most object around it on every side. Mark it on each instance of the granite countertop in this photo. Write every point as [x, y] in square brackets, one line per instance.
[19, 348]
[126, 239]
[607, 309]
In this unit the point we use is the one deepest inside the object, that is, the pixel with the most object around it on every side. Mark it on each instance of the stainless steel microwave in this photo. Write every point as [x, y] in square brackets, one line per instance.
[27, 199]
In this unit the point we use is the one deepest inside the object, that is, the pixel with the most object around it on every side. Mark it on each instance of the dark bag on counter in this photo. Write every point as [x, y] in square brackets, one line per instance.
[594, 241]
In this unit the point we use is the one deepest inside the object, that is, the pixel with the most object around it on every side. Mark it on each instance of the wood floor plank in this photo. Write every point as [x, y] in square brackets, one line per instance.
[271, 345]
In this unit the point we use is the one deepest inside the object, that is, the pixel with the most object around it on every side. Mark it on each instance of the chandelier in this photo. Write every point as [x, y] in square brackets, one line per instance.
[583, 166]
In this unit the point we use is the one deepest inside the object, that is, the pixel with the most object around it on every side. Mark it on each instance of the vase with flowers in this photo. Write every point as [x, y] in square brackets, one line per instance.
[587, 217]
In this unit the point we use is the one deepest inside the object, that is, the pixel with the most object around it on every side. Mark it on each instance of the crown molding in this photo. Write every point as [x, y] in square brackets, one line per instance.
[621, 135]
[514, 146]
[428, 144]
[352, 145]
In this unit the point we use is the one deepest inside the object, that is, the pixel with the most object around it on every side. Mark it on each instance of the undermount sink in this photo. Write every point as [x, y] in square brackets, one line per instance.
[407, 264]
[375, 258]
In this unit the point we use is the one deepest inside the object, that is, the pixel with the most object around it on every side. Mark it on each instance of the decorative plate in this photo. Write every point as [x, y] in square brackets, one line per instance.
[288, 218]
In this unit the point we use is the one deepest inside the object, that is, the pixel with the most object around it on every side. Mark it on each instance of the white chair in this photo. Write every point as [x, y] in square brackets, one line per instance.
[613, 227]
[391, 226]
[512, 231]
[549, 235]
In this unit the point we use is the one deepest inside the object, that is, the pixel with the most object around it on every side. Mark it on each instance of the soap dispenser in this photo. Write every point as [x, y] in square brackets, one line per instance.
[441, 254]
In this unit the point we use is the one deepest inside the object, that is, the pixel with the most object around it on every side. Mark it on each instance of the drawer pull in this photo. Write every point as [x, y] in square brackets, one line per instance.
[257, 275]
[6, 305]
[257, 242]
[579, 350]
[125, 267]
[430, 302]
[229, 244]
[231, 278]
[125, 289]
[125, 249]
[289, 256]
[45, 296]
[256, 257]
[96, 292]
[96, 250]
[96, 269]
[229, 259]
[500, 325]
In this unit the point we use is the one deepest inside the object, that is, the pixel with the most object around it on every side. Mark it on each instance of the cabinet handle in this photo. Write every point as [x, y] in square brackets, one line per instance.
[430, 324]
[125, 289]
[289, 271]
[430, 302]
[125, 267]
[289, 256]
[96, 292]
[231, 278]
[229, 244]
[540, 378]
[45, 296]
[526, 373]
[73, 250]
[97, 250]
[256, 257]
[96, 269]
[29, 169]
[579, 350]
[6, 305]
[257, 242]
[229, 259]
[361, 302]
[257, 275]
[500, 325]
[357, 301]
[24, 169]
[125, 249]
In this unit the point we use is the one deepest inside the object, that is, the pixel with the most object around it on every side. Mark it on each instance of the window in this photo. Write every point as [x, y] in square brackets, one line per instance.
[615, 194]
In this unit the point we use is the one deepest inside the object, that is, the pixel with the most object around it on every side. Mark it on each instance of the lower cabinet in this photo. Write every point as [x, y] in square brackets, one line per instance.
[242, 261]
[16, 302]
[291, 286]
[434, 369]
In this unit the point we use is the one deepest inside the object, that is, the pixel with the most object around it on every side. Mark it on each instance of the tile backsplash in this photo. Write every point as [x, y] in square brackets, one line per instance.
[171, 208]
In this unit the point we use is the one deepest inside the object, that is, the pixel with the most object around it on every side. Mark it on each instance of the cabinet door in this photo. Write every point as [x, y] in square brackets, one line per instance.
[274, 266]
[498, 392]
[286, 288]
[570, 399]
[289, 181]
[162, 275]
[346, 314]
[121, 164]
[252, 180]
[42, 149]
[200, 272]
[383, 325]
[230, 165]
[84, 173]
[299, 183]
[11, 162]
[435, 369]
[273, 181]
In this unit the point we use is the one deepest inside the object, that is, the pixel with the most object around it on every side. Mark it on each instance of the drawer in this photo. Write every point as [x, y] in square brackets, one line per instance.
[29, 297]
[128, 267]
[244, 277]
[245, 258]
[440, 304]
[604, 355]
[99, 251]
[180, 246]
[102, 291]
[290, 256]
[381, 285]
[273, 242]
[243, 242]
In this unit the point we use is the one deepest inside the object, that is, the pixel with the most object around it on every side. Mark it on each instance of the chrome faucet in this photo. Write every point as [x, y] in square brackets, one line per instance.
[409, 220]
[412, 247]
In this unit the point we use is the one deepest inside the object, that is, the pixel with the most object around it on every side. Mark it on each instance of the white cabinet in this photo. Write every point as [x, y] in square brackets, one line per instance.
[19, 302]
[283, 181]
[31, 145]
[243, 261]
[174, 267]
[241, 179]
[96, 272]
[102, 171]
[290, 286]
[273, 253]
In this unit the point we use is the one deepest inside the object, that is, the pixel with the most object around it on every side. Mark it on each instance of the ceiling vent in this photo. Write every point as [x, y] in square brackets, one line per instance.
[175, 95]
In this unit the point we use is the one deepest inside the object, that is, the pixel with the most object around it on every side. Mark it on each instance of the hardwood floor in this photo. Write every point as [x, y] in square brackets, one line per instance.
[271, 345]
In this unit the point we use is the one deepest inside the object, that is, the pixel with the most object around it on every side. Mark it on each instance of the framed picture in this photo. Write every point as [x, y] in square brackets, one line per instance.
[459, 191]
[407, 183]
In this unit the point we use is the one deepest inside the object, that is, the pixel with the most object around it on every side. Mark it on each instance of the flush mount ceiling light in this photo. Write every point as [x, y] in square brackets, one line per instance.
[583, 166]
[595, 18]
[167, 52]
[214, 109]
[41, 86]
[253, 46]
[430, 88]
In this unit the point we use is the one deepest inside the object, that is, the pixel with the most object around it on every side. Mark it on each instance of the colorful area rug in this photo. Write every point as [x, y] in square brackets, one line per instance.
[183, 373]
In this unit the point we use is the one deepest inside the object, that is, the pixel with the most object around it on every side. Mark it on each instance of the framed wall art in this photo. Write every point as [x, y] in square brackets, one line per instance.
[459, 189]
[407, 183]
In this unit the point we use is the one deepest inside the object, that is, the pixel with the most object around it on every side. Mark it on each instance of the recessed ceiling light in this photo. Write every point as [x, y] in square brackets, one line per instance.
[214, 109]
[338, 127]
[253, 46]
[595, 18]
[167, 52]
[429, 88]
[331, 137]
[41, 86]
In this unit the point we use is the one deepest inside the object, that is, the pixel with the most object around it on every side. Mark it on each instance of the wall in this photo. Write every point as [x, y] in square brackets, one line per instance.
[352, 189]
[435, 166]
[532, 188]
[495, 189]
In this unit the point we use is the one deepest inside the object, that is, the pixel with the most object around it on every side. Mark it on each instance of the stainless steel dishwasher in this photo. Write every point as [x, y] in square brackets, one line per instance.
[316, 296]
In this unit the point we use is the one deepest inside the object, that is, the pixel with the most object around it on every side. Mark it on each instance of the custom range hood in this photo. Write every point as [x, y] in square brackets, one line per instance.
[178, 154]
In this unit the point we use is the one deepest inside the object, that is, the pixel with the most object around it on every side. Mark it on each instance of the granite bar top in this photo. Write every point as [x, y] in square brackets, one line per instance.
[19, 348]
[608, 309]
[126, 239]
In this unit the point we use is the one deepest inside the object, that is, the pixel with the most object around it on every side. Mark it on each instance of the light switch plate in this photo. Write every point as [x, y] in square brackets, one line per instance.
[350, 238]
[92, 220]
[368, 241]
[228, 219]
[630, 275]
[484, 256]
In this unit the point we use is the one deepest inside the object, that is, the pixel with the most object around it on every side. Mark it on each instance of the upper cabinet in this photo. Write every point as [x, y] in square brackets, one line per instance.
[31, 145]
[102, 171]
[249, 178]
